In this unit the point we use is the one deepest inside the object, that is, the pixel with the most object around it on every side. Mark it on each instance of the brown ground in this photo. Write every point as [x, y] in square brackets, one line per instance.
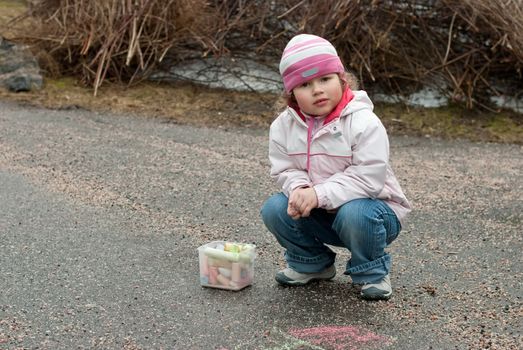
[186, 104]
[195, 105]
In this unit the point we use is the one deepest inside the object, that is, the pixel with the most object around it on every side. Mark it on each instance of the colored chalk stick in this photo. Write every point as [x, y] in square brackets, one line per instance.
[221, 254]
[236, 272]
[204, 266]
[224, 281]
[219, 263]
[225, 272]
[231, 247]
[213, 274]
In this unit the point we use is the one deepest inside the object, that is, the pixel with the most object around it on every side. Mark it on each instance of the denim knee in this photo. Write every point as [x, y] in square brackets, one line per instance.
[367, 226]
[356, 216]
[273, 209]
[303, 251]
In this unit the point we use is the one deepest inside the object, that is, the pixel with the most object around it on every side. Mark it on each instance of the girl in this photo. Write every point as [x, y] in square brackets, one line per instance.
[330, 154]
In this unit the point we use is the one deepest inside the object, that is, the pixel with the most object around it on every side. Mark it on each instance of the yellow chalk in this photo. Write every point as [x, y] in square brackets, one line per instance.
[223, 280]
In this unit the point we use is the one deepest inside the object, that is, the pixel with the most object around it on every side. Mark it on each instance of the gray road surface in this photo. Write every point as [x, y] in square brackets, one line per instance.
[101, 216]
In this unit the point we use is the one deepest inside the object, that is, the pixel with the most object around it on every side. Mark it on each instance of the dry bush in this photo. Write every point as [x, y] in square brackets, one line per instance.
[469, 49]
[117, 39]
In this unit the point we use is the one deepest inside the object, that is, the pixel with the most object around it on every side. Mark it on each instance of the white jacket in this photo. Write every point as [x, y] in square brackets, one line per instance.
[346, 159]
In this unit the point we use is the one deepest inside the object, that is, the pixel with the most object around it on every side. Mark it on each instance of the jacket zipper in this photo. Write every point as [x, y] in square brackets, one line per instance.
[310, 125]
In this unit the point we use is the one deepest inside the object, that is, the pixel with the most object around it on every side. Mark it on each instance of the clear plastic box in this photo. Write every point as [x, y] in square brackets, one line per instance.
[226, 265]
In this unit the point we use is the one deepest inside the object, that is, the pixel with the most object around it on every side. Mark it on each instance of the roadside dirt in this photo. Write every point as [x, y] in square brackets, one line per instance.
[184, 103]
[191, 104]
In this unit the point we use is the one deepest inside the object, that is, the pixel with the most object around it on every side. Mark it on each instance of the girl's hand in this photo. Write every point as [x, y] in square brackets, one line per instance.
[293, 213]
[303, 200]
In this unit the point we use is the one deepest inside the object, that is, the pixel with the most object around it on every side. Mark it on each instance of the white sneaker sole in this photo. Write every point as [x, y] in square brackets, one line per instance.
[282, 279]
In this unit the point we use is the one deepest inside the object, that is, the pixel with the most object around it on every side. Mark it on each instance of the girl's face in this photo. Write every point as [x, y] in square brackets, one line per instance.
[319, 96]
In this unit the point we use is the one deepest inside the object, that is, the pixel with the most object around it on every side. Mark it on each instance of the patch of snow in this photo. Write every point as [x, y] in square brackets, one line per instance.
[246, 74]
[508, 102]
[240, 74]
[426, 97]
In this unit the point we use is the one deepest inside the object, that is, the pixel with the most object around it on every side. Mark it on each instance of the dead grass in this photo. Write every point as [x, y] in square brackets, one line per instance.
[453, 122]
[9, 9]
[200, 106]
[468, 49]
[187, 104]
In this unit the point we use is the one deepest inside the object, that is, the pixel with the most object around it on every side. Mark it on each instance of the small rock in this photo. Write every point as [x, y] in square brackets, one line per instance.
[19, 70]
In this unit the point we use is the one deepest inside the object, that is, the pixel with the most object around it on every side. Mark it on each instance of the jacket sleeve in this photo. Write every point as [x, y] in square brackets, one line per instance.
[283, 169]
[365, 177]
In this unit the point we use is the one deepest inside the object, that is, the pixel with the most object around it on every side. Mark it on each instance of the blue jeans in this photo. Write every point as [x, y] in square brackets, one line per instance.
[364, 226]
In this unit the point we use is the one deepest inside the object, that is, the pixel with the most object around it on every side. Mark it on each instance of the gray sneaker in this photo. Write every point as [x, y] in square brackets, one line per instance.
[377, 291]
[289, 277]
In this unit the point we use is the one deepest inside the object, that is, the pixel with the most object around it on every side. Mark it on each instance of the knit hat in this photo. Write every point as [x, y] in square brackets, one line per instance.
[306, 57]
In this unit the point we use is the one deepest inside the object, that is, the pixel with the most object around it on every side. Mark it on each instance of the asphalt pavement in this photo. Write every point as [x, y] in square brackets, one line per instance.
[102, 215]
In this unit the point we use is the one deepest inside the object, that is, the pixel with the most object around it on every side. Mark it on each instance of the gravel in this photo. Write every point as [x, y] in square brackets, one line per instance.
[102, 215]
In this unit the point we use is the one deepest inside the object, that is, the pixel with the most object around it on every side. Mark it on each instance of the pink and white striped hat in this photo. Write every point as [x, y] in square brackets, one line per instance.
[306, 57]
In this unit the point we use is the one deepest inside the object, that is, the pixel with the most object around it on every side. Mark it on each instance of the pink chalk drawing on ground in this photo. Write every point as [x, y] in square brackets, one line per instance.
[341, 337]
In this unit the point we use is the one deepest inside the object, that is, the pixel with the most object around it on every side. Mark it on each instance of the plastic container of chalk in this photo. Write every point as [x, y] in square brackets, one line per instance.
[226, 265]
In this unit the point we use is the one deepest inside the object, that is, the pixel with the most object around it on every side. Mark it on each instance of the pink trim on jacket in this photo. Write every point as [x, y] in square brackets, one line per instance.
[310, 126]
[347, 159]
[347, 96]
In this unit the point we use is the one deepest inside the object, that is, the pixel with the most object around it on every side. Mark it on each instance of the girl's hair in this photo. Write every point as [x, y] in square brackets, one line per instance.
[348, 79]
